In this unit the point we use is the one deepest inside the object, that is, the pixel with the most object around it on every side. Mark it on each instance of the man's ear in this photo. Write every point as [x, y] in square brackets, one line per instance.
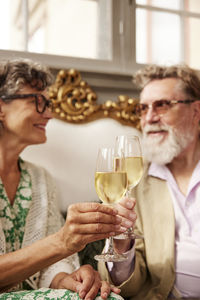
[2, 114]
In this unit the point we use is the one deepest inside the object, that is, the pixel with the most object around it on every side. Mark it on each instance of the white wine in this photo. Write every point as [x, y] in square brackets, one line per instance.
[134, 169]
[111, 186]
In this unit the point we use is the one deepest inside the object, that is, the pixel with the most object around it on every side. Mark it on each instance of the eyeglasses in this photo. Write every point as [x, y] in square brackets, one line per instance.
[40, 100]
[159, 106]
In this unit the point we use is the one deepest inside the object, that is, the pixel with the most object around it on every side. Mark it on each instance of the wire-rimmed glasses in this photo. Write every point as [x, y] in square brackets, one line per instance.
[160, 107]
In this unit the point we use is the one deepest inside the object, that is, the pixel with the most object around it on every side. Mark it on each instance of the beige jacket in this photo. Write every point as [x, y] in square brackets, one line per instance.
[154, 273]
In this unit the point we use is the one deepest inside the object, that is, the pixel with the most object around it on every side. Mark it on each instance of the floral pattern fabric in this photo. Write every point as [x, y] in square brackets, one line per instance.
[13, 217]
[50, 294]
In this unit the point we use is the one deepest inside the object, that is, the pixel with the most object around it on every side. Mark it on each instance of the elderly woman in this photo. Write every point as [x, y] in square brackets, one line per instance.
[37, 248]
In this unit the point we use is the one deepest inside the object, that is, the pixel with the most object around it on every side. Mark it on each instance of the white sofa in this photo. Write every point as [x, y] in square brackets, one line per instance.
[70, 155]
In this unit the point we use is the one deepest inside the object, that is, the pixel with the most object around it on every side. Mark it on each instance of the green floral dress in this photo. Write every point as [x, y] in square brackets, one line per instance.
[13, 217]
[49, 294]
[13, 220]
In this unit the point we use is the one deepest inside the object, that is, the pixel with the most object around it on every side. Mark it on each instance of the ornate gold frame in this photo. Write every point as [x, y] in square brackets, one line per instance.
[75, 102]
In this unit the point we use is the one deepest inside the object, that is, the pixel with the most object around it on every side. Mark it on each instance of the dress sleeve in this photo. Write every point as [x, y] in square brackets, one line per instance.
[55, 222]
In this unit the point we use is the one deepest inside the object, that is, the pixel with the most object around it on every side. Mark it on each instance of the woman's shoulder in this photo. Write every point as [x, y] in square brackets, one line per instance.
[34, 168]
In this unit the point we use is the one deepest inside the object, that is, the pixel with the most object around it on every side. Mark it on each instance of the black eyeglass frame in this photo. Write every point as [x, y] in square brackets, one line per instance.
[167, 102]
[47, 103]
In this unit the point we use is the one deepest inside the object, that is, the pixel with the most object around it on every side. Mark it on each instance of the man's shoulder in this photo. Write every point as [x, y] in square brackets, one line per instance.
[149, 182]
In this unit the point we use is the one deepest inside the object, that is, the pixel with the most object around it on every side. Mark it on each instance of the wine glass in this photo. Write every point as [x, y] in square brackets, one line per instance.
[111, 185]
[130, 145]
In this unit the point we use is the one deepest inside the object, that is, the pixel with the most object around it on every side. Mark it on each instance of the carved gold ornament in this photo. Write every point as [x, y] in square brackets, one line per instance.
[74, 101]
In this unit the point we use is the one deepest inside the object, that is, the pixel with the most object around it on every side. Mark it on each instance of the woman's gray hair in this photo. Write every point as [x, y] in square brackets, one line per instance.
[15, 74]
[190, 78]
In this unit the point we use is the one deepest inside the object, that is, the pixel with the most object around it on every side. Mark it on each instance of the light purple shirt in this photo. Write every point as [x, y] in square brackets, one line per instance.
[187, 238]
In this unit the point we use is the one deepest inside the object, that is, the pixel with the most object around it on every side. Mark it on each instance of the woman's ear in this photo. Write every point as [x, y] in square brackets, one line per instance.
[196, 106]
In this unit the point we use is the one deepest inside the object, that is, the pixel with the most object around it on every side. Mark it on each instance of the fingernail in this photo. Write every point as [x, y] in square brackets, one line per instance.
[128, 223]
[82, 294]
[132, 215]
[105, 295]
[129, 204]
[122, 229]
[77, 289]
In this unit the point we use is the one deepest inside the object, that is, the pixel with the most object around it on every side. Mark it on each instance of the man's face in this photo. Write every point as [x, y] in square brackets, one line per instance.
[166, 135]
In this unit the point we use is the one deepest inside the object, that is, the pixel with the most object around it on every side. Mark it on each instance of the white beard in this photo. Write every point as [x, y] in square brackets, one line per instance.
[163, 152]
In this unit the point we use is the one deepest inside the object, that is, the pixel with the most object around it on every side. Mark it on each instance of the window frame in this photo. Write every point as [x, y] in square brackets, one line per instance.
[123, 45]
[179, 12]
[116, 73]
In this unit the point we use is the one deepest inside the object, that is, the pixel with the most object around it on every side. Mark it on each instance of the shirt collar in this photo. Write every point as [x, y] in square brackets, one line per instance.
[159, 171]
[162, 172]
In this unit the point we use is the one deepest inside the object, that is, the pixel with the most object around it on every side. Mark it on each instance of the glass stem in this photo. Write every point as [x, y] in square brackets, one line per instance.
[128, 194]
[110, 247]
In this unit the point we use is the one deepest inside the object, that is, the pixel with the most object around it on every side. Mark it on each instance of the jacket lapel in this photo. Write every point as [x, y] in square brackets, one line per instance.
[159, 229]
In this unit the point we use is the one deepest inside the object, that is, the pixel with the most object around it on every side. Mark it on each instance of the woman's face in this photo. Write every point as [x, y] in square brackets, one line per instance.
[22, 122]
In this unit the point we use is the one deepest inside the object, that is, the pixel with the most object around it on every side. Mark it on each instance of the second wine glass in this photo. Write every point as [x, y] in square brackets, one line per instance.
[130, 145]
[111, 185]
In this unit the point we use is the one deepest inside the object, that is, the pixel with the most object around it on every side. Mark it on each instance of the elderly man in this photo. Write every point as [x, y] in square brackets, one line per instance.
[166, 263]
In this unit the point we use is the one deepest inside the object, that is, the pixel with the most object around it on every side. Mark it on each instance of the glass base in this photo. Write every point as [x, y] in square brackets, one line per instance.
[106, 257]
[128, 235]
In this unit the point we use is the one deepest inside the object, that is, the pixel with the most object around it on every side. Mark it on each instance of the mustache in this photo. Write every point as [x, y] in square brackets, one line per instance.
[155, 127]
